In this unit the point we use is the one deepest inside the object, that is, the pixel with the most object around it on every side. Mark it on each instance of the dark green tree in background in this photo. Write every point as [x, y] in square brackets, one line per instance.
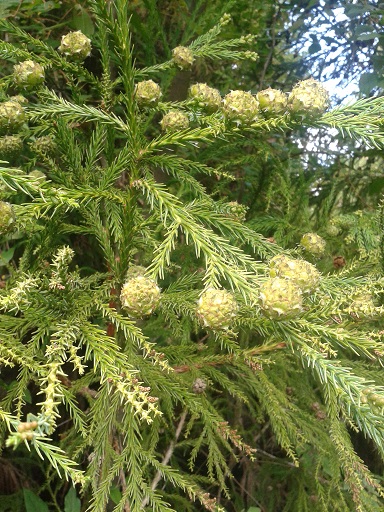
[191, 257]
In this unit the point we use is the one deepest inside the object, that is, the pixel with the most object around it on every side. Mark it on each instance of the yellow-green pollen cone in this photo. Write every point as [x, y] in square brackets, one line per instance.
[28, 74]
[301, 272]
[182, 57]
[217, 309]
[309, 98]
[272, 102]
[313, 243]
[75, 45]
[140, 296]
[241, 107]
[205, 97]
[147, 93]
[174, 121]
[280, 298]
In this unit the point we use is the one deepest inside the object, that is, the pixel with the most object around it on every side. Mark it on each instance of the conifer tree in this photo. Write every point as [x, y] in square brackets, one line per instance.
[157, 346]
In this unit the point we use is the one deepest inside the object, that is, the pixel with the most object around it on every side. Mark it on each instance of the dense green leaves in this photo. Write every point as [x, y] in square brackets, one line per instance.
[159, 409]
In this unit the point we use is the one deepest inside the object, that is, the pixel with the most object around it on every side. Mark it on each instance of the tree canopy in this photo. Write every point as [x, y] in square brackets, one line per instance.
[191, 235]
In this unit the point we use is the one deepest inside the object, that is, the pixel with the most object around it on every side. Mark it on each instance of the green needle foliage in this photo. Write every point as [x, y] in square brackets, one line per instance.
[152, 355]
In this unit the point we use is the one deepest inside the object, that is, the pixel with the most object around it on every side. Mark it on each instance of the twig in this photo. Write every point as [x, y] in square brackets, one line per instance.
[167, 456]
[273, 45]
[228, 359]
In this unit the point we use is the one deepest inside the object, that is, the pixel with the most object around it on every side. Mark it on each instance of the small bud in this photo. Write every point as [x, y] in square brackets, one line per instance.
[174, 121]
[248, 38]
[320, 415]
[250, 55]
[313, 243]
[75, 45]
[28, 74]
[332, 230]
[241, 107]
[236, 211]
[339, 262]
[199, 386]
[26, 436]
[147, 93]
[225, 19]
[205, 97]
[182, 57]
[22, 427]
